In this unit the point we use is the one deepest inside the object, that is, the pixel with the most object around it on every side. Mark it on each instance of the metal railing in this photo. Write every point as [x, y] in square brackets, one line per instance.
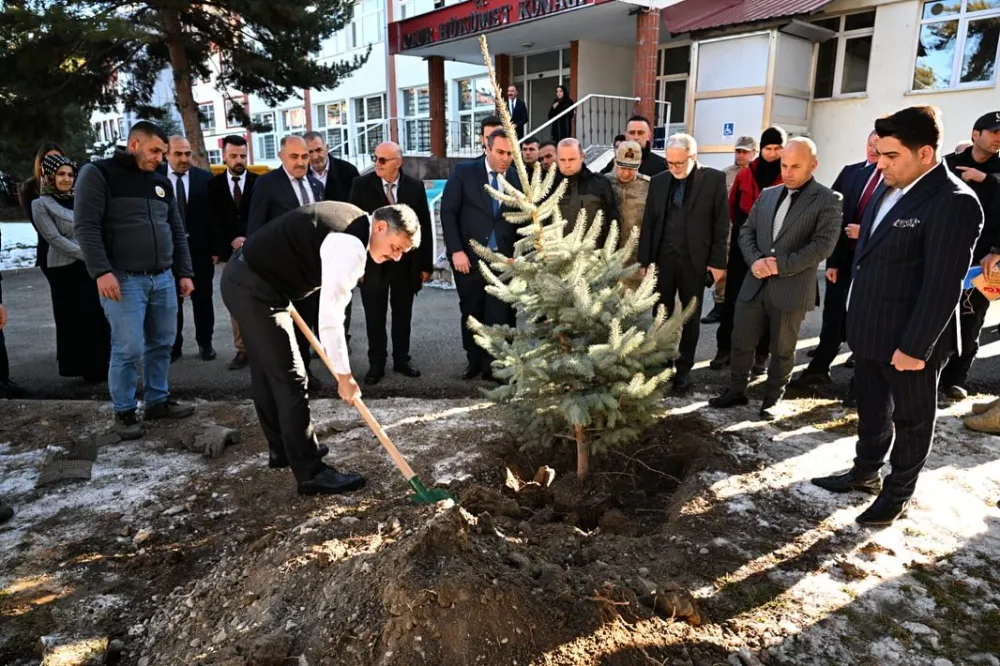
[599, 118]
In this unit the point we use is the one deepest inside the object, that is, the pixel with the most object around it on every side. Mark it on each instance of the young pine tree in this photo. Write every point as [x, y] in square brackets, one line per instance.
[584, 364]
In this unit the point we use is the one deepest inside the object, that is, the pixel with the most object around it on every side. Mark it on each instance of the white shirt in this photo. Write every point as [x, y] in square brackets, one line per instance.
[888, 201]
[395, 188]
[342, 257]
[321, 177]
[489, 173]
[242, 179]
[185, 178]
[295, 186]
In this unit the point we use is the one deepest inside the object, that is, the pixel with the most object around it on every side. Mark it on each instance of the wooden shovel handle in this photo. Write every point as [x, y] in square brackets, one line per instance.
[394, 453]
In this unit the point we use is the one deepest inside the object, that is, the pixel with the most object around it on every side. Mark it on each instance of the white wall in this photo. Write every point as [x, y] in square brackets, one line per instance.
[605, 69]
[840, 127]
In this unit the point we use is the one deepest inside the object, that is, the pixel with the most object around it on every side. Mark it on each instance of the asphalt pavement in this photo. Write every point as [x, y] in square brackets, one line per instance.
[436, 349]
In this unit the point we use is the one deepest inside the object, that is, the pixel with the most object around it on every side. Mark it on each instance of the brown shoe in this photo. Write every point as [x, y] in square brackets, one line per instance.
[239, 362]
[988, 422]
[983, 407]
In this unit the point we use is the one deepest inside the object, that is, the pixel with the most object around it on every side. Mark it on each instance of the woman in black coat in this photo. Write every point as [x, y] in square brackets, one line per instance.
[563, 127]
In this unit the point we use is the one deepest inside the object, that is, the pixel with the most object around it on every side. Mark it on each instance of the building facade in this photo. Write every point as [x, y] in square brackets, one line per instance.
[715, 68]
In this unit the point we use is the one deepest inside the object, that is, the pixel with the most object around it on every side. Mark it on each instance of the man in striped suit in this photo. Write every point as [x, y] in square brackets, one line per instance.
[791, 229]
[914, 248]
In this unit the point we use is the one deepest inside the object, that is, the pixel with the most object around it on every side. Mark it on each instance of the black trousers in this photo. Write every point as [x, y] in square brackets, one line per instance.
[906, 400]
[473, 301]
[833, 331]
[676, 277]
[736, 273]
[202, 304]
[83, 336]
[386, 284]
[755, 320]
[972, 315]
[278, 380]
[4, 361]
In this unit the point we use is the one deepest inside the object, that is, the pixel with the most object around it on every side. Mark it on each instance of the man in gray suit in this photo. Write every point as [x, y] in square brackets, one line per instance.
[791, 229]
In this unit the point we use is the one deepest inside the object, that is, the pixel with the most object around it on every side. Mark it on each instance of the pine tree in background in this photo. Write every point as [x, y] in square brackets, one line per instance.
[584, 364]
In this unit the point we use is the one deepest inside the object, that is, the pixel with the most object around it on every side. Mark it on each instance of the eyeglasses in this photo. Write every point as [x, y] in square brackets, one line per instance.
[678, 165]
[382, 161]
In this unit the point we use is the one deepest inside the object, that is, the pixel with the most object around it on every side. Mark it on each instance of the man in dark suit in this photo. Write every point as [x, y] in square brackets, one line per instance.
[276, 193]
[229, 196]
[393, 282]
[857, 183]
[469, 213]
[517, 109]
[913, 252]
[191, 193]
[684, 232]
[791, 229]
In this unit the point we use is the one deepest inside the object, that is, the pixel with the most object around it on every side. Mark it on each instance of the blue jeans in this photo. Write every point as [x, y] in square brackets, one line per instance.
[143, 325]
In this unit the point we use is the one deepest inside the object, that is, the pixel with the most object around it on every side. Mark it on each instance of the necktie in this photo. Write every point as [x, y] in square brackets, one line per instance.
[389, 187]
[779, 217]
[181, 192]
[237, 192]
[303, 195]
[492, 242]
[866, 197]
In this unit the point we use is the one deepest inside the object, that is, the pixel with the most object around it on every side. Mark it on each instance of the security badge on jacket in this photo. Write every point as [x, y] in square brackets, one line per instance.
[160, 192]
[909, 223]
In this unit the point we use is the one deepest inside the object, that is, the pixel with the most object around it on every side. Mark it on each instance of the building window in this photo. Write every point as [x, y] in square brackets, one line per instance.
[416, 120]
[207, 114]
[673, 66]
[842, 61]
[367, 24]
[369, 124]
[958, 44]
[475, 102]
[333, 119]
[121, 127]
[214, 156]
[267, 145]
[411, 8]
[293, 120]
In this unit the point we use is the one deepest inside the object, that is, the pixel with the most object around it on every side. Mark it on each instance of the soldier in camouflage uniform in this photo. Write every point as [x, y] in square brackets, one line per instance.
[631, 189]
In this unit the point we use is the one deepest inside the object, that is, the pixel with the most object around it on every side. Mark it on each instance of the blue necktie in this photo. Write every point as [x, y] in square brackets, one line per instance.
[492, 242]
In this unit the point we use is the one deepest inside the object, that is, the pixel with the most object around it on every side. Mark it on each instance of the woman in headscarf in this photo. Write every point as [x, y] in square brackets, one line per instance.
[30, 192]
[83, 337]
[762, 172]
[562, 128]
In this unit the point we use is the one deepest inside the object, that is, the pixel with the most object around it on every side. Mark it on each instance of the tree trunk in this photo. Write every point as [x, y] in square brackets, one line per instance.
[582, 455]
[182, 85]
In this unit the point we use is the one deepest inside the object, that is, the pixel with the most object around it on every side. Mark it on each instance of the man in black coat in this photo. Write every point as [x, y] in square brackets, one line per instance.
[191, 191]
[469, 213]
[276, 193]
[393, 282]
[857, 182]
[979, 167]
[684, 232]
[518, 110]
[586, 191]
[913, 252]
[639, 130]
[229, 196]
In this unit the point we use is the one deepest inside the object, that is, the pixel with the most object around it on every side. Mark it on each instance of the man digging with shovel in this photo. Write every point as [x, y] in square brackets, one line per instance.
[320, 246]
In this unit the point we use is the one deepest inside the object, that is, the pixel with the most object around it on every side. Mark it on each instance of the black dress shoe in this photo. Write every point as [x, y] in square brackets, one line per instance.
[375, 375]
[713, 317]
[167, 409]
[208, 353]
[472, 371]
[275, 461]
[682, 382]
[331, 482]
[953, 392]
[849, 481]
[720, 361]
[882, 512]
[767, 409]
[729, 398]
[406, 368]
[811, 379]
[240, 361]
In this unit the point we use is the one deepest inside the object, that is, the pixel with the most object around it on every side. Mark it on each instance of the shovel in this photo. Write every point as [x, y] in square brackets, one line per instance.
[421, 494]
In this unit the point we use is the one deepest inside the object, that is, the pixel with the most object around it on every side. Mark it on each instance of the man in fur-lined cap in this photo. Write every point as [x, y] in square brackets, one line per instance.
[631, 189]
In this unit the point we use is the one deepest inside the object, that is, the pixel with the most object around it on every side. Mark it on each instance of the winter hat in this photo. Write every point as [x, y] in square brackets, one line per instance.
[773, 136]
[628, 155]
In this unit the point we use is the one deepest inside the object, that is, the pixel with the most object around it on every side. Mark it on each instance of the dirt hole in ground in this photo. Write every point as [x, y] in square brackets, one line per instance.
[556, 573]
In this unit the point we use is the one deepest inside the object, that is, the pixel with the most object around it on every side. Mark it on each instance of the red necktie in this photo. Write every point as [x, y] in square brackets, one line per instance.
[863, 203]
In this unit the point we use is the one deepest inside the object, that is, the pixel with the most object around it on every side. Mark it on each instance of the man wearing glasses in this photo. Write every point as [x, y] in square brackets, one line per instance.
[394, 283]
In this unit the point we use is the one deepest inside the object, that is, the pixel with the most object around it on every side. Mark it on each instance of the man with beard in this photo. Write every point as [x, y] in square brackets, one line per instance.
[979, 167]
[585, 191]
[638, 130]
[547, 155]
[765, 171]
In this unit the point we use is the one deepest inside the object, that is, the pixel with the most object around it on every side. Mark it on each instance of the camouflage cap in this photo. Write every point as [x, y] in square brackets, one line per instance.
[628, 155]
